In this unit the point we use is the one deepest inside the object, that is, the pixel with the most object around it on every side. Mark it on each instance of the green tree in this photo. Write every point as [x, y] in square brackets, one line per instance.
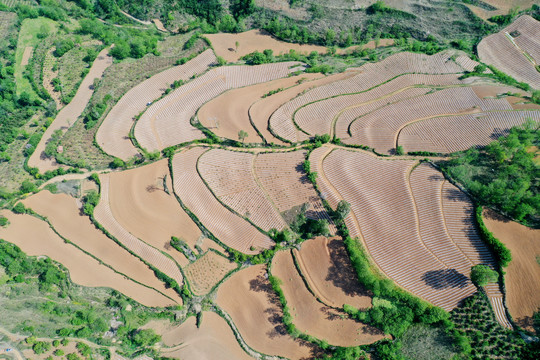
[399, 150]
[242, 135]
[3, 221]
[146, 337]
[343, 209]
[481, 275]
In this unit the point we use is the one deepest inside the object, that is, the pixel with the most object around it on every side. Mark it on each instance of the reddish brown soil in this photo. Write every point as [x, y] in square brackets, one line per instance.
[140, 204]
[314, 318]
[255, 309]
[213, 340]
[36, 238]
[327, 269]
[227, 114]
[64, 214]
[522, 277]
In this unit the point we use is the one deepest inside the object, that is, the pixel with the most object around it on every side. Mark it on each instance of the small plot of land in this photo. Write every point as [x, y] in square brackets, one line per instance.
[104, 216]
[522, 277]
[314, 318]
[254, 307]
[325, 266]
[168, 122]
[418, 228]
[70, 113]
[26, 55]
[499, 7]
[515, 50]
[143, 203]
[65, 216]
[36, 238]
[229, 228]
[212, 340]
[204, 273]
[227, 114]
[113, 133]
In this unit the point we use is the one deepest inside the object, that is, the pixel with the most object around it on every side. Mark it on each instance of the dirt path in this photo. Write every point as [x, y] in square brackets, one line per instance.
[26, 55]
[70, 113]
[135, 19]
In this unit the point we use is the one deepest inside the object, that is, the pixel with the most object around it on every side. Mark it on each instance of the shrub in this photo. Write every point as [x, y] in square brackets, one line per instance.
[19, 208]
[481, 275]
[3, 221]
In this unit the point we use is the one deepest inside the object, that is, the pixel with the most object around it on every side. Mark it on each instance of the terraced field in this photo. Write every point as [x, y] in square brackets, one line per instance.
[207, 271]
[167, 122]
[421, 234]
[515, 50]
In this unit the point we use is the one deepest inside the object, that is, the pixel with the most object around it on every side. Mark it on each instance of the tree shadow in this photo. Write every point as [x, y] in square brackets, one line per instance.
[341, 272]
[445, 279]
[493, 215]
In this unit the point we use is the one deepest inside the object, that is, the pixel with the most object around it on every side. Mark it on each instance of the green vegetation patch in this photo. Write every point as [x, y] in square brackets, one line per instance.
[427, 343]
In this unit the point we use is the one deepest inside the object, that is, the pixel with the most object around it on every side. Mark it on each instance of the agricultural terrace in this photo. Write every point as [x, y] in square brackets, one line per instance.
[418, 228]
[498, 7]
[206, 272]
[64, 214]
[261, 111]
[70, 113]
[325, 267]
[370, 76]
[28, 39]
[522, 277]
[212, 339]
[228, 114]
[113, 134]
[104, 216]
[143, 203]
[515, 50]
[248, 298]
[229, 228]
[167, 122]
[36, 238]
[312, 317]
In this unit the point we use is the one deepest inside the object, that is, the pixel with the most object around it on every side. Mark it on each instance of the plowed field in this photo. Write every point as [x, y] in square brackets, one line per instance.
[204, 273]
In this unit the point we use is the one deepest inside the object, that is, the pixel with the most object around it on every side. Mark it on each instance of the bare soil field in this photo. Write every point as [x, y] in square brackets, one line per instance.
[69, 114]
[113, 133]
[502, 7]
[140, 204]
[254, 307]
[104, 216]
[213, 340]
[261, 111]
[522, 278]
[27, 54]
[65, 215]
[167, 122]
[420, 233]
[204, 273]
[227, 114]
[36, 238]
[314, 318]
[515, 50]
[229, 228]
[325, 265]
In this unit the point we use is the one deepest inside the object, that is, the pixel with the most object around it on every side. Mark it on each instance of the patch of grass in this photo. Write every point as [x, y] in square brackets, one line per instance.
[422, 342]
[28, 36]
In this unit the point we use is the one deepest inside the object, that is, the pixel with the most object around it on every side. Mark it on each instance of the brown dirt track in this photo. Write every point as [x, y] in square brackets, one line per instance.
[140, 204]
[214, 340]
[326, 268]
[207, 271]
[523, 274]
[314, 318]
[26, 55]
[230, 109]
[64, 214]
[36, 238]
[249, 299]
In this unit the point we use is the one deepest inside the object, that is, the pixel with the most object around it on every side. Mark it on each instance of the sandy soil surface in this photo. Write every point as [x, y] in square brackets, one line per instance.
[227, 114]
[327, 269]
[523, 273]
[259, 40]
[35, 237]
[159, 25]
[26, 55]
[249, 299]
[503, 7]
[261, 111]
[69, 114]
[314, 318]
[213, 340]
[204, 273]
[140, 204]
[64, 214]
